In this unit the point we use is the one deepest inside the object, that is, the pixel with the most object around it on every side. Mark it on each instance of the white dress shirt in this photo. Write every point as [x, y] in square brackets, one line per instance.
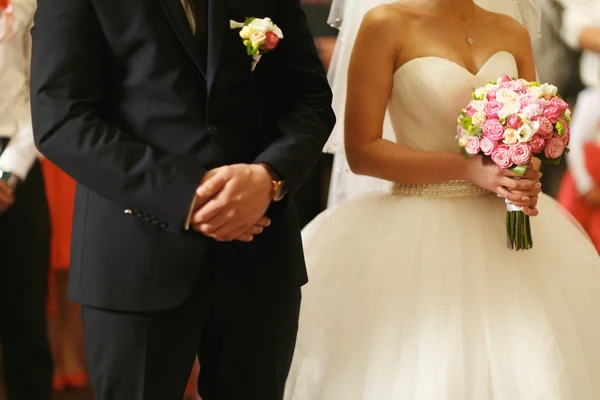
[585, 127]
[15, 113]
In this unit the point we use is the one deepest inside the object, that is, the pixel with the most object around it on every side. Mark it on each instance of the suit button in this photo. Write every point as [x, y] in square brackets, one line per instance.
[154, 220]
[212, 130]
[136, 213]
[163, 224]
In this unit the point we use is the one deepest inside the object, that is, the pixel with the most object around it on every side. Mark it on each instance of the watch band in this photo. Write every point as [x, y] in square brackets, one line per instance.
[278, 190]
[11, 180]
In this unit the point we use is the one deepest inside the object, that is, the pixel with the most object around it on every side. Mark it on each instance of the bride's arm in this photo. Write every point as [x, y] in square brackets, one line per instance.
[369, 85]
[370, 80]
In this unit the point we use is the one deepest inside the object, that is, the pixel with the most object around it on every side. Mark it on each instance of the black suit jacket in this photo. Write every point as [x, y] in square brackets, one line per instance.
[123, 103]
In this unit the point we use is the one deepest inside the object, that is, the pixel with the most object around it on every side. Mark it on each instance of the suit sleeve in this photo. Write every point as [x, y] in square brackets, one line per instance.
[303, 98]
[67, 83]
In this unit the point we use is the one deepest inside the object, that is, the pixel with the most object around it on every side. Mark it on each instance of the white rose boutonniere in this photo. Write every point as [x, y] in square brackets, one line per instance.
[259, 35]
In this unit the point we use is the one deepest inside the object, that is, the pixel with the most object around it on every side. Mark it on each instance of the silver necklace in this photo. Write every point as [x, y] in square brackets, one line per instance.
[467, 31]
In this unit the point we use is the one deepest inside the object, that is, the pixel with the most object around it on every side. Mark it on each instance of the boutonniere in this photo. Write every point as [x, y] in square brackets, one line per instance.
[259, 35]
[7, 19]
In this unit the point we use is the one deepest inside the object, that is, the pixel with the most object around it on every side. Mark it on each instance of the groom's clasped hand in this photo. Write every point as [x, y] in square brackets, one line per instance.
[231, 202]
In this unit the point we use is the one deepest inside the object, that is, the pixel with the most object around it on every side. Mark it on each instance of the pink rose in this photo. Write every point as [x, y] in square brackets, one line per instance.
[487, 145]
[492, 108]
[493, 129]
[555, 147]
[529, 100]
[503, 79]
[520, 153]
[560, 103]
[470, 110]
[491, 94]
[472, 146]
[514, 122]
[546, 127]
[566, 138]
[515, 86]
[501, 156]
[532, 111]
[552, 113]
[537, 144]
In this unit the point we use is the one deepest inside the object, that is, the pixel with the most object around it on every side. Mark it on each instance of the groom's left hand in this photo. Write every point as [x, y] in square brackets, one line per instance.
[231, 201]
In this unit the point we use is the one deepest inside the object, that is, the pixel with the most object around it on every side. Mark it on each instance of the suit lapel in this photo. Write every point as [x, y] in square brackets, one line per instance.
[218, 26]
[175, 13]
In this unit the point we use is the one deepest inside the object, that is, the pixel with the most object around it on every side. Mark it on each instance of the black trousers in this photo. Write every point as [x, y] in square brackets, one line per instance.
[24, 263]
[244, 337]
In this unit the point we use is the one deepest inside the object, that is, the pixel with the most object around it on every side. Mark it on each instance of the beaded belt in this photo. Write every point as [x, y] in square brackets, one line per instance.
[439, 190]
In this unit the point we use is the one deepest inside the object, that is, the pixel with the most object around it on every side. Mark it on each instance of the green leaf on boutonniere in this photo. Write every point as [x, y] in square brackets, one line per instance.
[249, 20]
[518, 169]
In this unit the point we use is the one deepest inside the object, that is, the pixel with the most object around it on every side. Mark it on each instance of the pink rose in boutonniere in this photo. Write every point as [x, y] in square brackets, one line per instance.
[7, 21]
[259, 35]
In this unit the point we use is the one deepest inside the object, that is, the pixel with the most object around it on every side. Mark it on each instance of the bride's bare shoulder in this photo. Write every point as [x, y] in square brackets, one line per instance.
[394, 16]
[510, 28]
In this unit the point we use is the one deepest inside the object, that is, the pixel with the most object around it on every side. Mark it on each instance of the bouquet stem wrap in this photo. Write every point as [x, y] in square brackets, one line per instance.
[518, 229]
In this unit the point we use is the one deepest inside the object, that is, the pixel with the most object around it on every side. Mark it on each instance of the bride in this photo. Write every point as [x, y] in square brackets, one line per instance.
[414, 294]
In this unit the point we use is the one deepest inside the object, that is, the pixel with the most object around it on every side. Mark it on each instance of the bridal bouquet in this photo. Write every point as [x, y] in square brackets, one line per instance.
[511, 121]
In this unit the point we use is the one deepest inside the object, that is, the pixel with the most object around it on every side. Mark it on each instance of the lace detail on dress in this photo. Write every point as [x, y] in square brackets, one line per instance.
[439, 190]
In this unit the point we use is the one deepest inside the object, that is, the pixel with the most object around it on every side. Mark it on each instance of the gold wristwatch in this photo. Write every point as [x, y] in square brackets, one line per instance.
[278, 190]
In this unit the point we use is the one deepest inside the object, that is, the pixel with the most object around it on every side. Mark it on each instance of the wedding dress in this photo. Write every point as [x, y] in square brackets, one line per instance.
[414, 295]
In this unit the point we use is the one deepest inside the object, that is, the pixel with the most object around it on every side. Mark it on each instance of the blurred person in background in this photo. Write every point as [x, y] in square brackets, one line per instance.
[580, 192]
[24, 221]
[557, 62]
[66, 329]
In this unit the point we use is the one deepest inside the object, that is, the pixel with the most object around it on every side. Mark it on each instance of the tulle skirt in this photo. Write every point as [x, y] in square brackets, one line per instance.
[420, 299]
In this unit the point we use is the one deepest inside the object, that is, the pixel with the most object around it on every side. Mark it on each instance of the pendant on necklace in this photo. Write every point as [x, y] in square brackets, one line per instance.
[470, 40]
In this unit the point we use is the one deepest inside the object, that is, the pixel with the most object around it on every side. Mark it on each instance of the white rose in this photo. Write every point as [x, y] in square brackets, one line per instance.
[550, 91]
[506, 96]
[523, 82]
[478, 119]
[508, 110]
[246, 32]
[534, 125]
[480, 93]
[276, 30]
[478, 105]
[462, 142]
[510, 136]
[568, 113]
[536, 91]
[257, 37]
[525, 133]
[261, 25]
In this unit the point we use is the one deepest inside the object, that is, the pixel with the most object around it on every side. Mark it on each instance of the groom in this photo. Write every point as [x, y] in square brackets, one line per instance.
[185, 239]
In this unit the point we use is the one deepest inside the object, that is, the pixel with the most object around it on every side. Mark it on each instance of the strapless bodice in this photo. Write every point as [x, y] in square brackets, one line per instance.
[428, 94]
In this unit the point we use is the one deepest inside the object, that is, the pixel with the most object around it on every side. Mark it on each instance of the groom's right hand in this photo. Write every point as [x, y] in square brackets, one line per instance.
[229, 201]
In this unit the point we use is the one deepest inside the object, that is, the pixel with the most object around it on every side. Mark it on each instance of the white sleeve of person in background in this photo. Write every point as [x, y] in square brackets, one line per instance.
[578, 15]
[584, 128]
[20, 153]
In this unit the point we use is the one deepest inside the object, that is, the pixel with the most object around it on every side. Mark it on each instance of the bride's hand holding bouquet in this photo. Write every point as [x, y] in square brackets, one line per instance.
[519, 190]
[510, 126]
